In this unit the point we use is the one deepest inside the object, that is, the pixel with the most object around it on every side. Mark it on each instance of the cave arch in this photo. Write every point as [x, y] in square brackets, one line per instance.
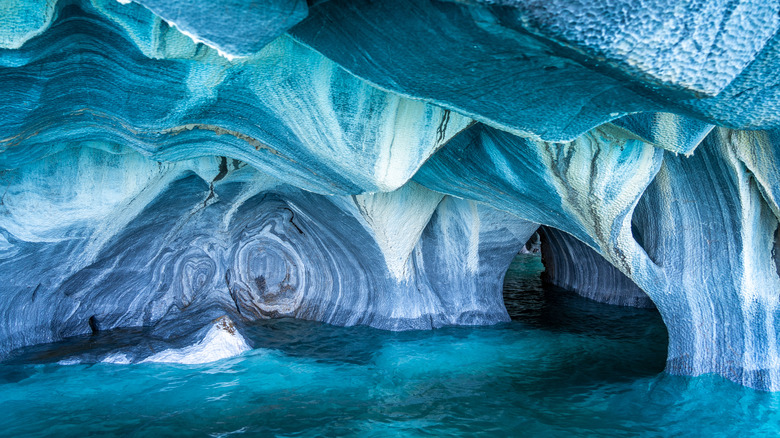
[572, 265]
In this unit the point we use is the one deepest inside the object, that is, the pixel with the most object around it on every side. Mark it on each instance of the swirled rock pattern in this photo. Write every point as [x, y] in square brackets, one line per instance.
[130, 242]
[169, 165]
[287, 111]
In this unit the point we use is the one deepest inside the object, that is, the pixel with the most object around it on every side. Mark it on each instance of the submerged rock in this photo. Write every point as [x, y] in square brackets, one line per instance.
[221, 340]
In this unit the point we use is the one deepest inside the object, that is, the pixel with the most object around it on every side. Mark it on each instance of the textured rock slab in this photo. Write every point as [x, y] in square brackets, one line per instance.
[668, 131]
[696, 46]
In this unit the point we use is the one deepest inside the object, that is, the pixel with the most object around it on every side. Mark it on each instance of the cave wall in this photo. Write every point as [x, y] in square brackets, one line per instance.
[706, 222]
[571, 265]
[117, 240]
[381, 162]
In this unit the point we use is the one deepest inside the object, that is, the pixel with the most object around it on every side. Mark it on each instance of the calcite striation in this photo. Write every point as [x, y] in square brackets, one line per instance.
[189, 167]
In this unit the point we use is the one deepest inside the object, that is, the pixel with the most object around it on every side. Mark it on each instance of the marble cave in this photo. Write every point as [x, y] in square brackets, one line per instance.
[176, 175]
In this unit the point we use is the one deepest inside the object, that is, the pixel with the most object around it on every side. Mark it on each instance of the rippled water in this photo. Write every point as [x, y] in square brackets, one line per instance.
[564, 366]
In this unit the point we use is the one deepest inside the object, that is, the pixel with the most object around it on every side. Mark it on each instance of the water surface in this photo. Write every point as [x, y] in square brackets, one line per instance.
[564, 366]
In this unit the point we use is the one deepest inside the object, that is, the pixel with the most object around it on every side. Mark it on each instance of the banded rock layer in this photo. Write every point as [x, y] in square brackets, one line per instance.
[176, 166]
[197, 239]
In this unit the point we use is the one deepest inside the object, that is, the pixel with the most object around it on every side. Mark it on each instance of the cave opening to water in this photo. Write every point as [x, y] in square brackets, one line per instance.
[598, 342]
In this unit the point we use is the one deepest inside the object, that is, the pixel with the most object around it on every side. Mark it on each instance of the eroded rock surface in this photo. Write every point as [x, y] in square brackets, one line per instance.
[166, 165]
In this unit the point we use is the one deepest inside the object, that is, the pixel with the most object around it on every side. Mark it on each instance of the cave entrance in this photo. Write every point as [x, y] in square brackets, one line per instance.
[601, 340]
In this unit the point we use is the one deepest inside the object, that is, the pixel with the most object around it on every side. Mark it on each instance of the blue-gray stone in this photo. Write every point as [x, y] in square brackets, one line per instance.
[382, 163]
[554, 70]
[571, 265]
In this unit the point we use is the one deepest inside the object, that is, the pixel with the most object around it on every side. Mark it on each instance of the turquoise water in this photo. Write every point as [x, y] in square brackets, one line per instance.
[564, 366]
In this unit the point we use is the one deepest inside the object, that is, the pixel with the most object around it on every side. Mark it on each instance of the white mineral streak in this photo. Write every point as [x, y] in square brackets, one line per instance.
[588, 174]
[760, 155]
[397, 220]
[400, 156]
[757, 286]
[78, 189]
[473, 251]
[197, 40]
[97, 189]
